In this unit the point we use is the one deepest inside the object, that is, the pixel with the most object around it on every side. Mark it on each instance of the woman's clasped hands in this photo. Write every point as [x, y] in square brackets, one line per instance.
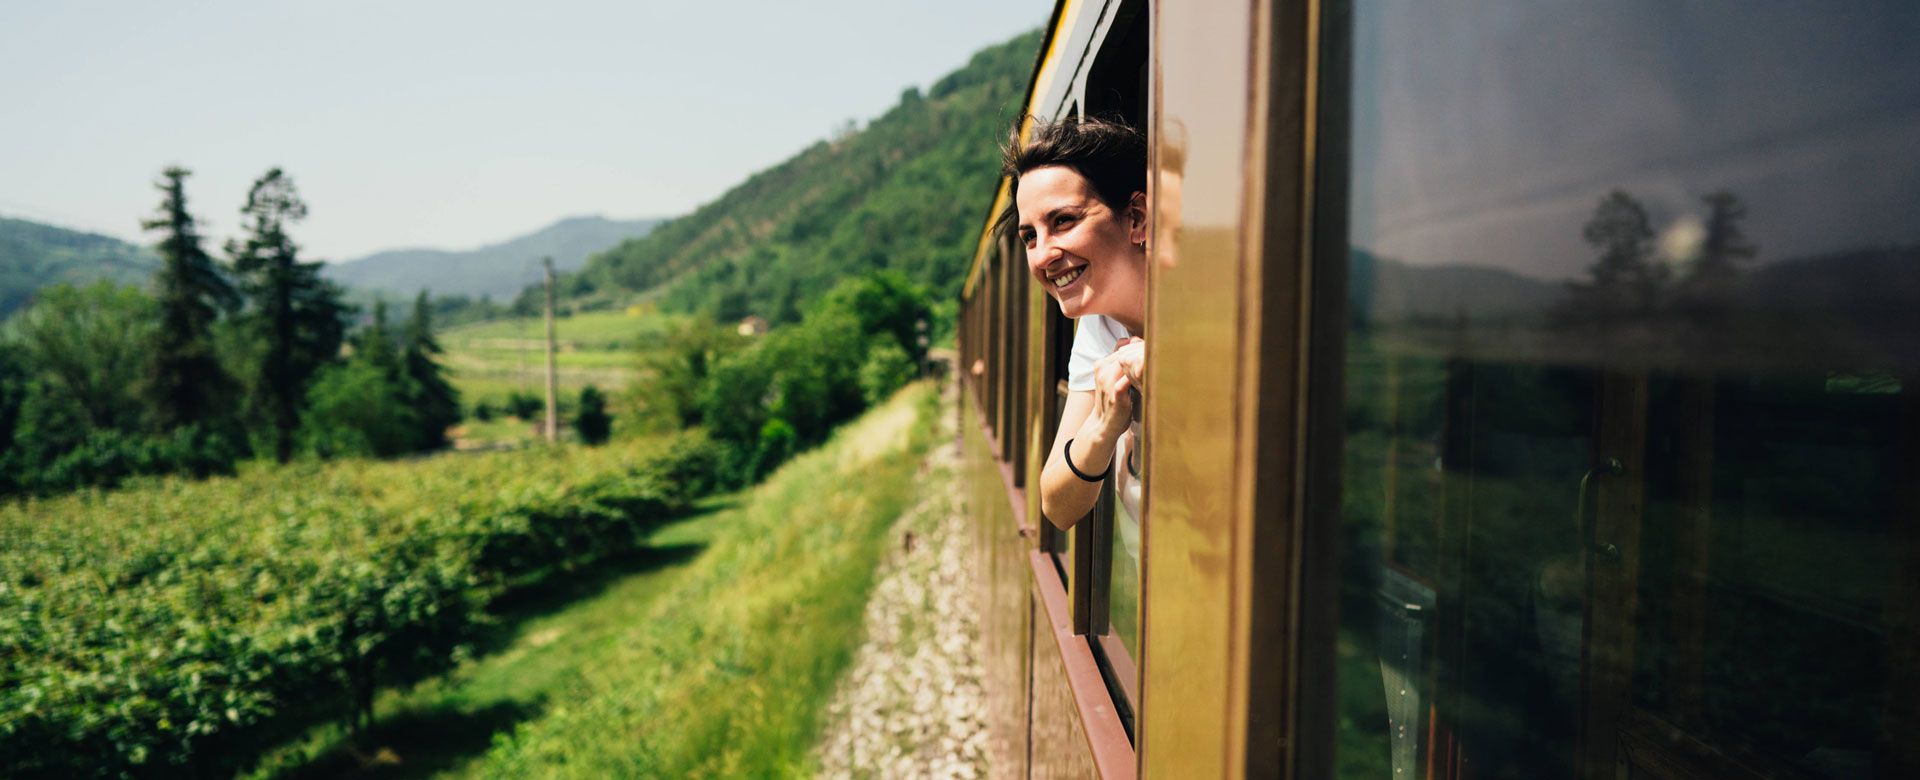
[1113, 377]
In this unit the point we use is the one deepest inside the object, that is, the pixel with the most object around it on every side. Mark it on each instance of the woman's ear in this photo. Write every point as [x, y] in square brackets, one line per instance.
[1137, 222]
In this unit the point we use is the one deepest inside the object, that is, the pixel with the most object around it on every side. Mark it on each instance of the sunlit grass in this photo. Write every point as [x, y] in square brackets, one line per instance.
[710, 655]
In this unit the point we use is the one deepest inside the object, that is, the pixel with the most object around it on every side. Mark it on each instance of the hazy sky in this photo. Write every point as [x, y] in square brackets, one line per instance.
[1486, 131]
[446, 124]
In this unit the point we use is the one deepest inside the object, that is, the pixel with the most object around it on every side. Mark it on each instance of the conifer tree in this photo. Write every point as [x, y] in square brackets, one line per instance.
[437, 402]
[184, 382]
[297, 317]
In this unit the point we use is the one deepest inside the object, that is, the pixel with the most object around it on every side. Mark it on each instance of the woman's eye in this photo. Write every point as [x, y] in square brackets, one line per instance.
[1063, 220]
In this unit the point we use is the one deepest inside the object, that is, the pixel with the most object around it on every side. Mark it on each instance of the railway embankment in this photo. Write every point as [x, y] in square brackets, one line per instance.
[912, 705]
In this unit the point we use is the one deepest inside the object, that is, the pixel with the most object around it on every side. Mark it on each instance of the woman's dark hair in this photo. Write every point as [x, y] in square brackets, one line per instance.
[1110, 155]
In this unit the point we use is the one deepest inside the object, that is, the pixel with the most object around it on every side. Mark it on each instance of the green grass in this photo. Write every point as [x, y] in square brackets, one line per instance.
[711, 654]
[488, 361]
[588, 330]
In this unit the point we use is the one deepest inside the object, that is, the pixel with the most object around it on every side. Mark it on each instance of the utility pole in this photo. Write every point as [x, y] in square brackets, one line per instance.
[553, 390]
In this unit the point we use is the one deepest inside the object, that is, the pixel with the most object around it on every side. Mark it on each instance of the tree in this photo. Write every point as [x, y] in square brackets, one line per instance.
[593, 422]
[298, 318]
[184, 382]
[1624, 282]
[675, 369]
[86, 344]
[434, 399]
[363, 406]
[1725, 250]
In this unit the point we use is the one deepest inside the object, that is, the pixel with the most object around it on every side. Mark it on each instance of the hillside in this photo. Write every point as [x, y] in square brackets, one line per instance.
[908, 193]
[499, 270]
[33, 255]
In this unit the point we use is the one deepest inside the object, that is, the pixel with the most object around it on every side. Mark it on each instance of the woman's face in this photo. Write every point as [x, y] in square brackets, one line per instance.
[1086, 255]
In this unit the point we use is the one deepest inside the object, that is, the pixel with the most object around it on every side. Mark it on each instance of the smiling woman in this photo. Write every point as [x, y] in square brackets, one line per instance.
[1082, 216]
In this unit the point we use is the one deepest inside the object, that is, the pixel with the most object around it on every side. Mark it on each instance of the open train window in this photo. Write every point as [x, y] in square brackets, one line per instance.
[1109, 547]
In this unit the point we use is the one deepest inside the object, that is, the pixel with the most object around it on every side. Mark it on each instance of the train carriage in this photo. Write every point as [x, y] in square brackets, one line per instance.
[1530, 393]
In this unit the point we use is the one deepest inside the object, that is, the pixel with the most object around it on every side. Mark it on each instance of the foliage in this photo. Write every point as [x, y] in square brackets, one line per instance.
[676, 366]
[358, 408]
[87, 343]
[592, 420]
[732, 669]
[160, 631]
[434, 399]
[786, 392]
[184, 383]
[887, 369]
[525, 406]
[297, 317]
[907, 194]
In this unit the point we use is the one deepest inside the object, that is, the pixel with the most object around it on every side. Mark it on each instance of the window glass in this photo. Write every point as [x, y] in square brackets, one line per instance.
[1632, 404]
[1123, 543]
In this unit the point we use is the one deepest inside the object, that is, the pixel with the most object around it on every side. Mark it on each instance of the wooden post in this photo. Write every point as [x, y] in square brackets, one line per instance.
[553, 391]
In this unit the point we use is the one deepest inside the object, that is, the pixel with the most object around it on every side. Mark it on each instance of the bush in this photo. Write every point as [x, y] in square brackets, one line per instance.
[355, 408]
[483, 411]
[592, 421]
[108, 457]
[887, 369]
[168, 630]
[525, 406]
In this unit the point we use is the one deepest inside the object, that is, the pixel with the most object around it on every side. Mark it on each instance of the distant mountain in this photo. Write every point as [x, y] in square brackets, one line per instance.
[33, 255]
[907, 193]
[1386, 290]
[499, 270]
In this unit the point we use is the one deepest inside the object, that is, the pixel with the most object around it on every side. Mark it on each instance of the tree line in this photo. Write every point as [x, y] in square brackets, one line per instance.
[215, 362]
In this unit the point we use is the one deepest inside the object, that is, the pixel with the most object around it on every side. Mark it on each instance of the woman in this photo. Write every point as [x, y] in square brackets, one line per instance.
[1079, 193]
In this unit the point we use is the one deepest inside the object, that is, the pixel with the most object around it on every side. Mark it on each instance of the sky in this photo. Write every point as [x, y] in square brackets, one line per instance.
[445, 124]
[1486, 131]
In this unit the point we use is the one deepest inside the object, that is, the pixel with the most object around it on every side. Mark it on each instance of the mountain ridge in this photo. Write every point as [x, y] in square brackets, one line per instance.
[34, 255]
[499, 269]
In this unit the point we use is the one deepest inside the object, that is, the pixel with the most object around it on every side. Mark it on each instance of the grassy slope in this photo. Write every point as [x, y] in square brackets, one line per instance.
[710, 655]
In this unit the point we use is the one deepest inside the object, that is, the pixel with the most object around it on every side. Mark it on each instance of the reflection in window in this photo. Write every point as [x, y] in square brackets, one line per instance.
[1630, 406]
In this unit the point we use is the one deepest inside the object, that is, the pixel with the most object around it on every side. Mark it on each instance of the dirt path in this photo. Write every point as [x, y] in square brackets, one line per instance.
[912, 705]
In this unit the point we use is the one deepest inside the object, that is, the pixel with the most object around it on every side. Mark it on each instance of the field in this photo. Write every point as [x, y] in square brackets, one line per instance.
[518, 614]
[488, 360]
[166, 629]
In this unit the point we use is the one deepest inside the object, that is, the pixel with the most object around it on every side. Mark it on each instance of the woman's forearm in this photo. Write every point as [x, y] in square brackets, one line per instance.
[1064, 496]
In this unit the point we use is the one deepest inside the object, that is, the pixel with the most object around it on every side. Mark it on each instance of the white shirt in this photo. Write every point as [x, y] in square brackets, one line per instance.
[1094, 336]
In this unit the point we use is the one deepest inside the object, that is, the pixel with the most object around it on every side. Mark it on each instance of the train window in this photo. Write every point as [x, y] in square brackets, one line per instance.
[1116, 87]
[1630, 477]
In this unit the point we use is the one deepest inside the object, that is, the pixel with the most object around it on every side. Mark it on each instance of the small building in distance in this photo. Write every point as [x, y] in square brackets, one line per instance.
[753, 325]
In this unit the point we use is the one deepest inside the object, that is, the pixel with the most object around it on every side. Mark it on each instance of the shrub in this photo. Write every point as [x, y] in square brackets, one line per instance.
[592, 421]
[355, 408]
[525, 406]
[888, 368]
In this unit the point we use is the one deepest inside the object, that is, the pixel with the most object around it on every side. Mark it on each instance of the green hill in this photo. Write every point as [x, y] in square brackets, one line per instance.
[906, 193]
[499, 270]
[33, 255]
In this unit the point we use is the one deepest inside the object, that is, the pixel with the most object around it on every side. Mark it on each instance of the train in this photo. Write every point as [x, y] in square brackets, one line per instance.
[1532, 391]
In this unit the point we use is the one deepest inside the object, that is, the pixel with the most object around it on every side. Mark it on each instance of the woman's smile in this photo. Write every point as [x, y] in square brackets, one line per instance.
[1062, 281]
[1069, 233]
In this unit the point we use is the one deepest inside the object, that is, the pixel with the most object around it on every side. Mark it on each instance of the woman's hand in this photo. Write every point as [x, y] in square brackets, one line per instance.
[1113, 376]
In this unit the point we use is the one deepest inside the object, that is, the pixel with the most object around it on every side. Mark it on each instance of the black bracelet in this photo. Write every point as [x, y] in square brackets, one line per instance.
[1066, 454]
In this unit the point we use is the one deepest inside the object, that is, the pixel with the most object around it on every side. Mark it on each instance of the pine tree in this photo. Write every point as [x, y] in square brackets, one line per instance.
[437, 402]
[1726, 249]
[185, 383]
[297, 317]
[1625, 282]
